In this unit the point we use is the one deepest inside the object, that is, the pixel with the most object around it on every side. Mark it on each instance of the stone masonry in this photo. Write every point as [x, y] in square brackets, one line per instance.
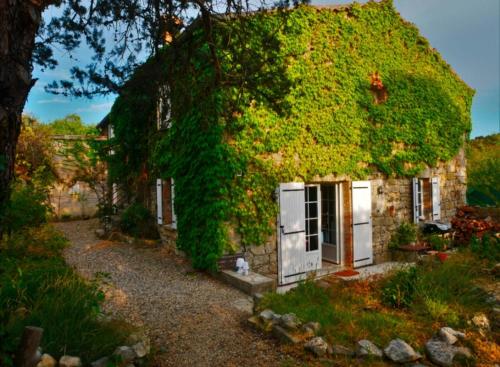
[392, 205]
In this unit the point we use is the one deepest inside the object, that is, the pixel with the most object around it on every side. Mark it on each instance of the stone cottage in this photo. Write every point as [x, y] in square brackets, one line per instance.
[314, 135]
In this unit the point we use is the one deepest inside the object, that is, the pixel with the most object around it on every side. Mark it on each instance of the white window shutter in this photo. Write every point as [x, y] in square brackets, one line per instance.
[362, 236]
[172, 196]
[436, 199]
[292, 230]
[416, 208]
[159, 201]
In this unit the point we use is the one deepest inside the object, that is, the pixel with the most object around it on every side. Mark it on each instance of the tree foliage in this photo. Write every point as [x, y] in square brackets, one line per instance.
[71, 125]
[301, 94]
[483, 172]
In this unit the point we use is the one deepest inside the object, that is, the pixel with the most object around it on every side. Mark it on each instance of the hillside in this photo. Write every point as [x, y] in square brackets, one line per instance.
[483, 169]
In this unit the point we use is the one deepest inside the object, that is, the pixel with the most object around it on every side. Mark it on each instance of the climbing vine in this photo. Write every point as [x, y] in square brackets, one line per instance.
[304, 94]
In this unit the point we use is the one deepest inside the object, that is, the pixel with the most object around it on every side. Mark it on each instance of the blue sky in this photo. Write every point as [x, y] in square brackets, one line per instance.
[465, 32]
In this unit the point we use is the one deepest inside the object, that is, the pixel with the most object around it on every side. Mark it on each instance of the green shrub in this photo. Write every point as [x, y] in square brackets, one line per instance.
[27, 208]
[137, 221]
[399, 291]
[437, 242]
[442, 292]
[487, 247]
[405, 234]
[37, 288]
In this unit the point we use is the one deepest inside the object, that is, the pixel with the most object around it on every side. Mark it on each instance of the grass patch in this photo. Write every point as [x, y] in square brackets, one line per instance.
[38, 288]
[434, 294]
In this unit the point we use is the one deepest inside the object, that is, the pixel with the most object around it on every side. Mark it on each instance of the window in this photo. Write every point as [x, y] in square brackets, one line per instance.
[312, 218]
[426, 199]
[163, 117]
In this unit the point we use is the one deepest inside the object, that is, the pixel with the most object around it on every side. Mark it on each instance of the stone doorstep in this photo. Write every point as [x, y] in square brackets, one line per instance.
[250, 284]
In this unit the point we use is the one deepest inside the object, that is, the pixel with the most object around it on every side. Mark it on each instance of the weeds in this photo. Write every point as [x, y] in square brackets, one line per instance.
[38, 288]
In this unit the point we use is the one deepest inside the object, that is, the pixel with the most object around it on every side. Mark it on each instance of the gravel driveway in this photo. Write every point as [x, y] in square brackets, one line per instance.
[192, 319]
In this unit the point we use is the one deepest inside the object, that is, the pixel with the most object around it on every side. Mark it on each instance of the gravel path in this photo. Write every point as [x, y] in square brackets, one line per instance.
[192, 319]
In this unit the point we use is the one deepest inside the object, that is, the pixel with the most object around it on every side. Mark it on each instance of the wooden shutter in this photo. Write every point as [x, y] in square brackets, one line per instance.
[172, 196]
[292, 228]
[416, 209]
[362, 223]
[436, 199]
[159, 201]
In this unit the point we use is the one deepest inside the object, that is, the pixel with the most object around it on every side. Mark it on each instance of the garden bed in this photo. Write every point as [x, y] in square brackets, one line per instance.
[411, 304]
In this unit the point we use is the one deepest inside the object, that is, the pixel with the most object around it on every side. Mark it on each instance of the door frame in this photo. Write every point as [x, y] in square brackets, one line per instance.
[339, 209]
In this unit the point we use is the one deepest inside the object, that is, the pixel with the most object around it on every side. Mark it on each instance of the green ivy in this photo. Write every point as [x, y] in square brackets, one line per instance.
[292, 101]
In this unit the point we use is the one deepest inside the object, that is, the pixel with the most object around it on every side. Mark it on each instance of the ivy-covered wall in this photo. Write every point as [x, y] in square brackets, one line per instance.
[295, 95]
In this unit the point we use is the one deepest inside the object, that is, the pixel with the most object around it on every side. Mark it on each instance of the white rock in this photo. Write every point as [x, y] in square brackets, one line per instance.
[267, 315]
[367, 348]
[290, 321]
[442, 353]
[101, 362]
[318, 346]
[126, 354]
[46, 361]
[401, 352]
[450, 336]
[70, 361]
[141, 349]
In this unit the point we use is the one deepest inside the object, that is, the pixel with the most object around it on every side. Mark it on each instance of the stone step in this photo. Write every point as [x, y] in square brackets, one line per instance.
[250, 284]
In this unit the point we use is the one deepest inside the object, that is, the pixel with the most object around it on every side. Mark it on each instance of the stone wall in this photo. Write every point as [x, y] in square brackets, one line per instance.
[393, 203]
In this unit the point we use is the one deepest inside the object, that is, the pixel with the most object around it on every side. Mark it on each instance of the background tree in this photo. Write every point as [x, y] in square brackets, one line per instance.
[483, 172]
[118, 32]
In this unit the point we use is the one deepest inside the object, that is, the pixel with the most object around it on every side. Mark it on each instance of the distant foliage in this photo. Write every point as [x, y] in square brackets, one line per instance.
[71, 125]
[27, 207]
[487, 247]
[483, 171]
[34, 154]
[294, 97]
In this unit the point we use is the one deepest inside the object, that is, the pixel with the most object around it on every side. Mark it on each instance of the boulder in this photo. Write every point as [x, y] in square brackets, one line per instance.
[268, 315]
[141, 349]
[401, 352]
[365, 348]
[290, 321]
[46, 360]
[314, 326]
[450, 336]
[125, 353]
[442, 353]
[318, 346]
[70, 361]
[101, 362]
[340, 350]
[283, 335]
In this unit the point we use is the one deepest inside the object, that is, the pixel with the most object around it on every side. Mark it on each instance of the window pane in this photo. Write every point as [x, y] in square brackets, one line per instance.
[313, 226]
[313, 193]
[307, 227]
[313, 210]
[313, 243]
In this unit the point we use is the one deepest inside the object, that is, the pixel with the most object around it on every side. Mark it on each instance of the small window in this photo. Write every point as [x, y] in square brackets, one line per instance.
[312, 218]
[422, 200]
[164, 119]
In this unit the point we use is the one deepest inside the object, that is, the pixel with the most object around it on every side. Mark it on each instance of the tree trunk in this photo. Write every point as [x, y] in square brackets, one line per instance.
[19, 22]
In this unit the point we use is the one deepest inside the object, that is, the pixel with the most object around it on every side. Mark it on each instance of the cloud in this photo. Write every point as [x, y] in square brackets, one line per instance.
[52, 100]
[96, 107]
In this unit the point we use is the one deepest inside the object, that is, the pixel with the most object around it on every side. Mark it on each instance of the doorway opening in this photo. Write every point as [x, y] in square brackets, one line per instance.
[331, 224]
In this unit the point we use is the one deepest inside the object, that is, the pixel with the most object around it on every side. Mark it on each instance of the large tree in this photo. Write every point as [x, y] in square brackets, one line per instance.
[117, 31]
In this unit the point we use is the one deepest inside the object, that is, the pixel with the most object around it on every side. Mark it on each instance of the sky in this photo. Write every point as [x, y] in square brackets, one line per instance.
[465, 32]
